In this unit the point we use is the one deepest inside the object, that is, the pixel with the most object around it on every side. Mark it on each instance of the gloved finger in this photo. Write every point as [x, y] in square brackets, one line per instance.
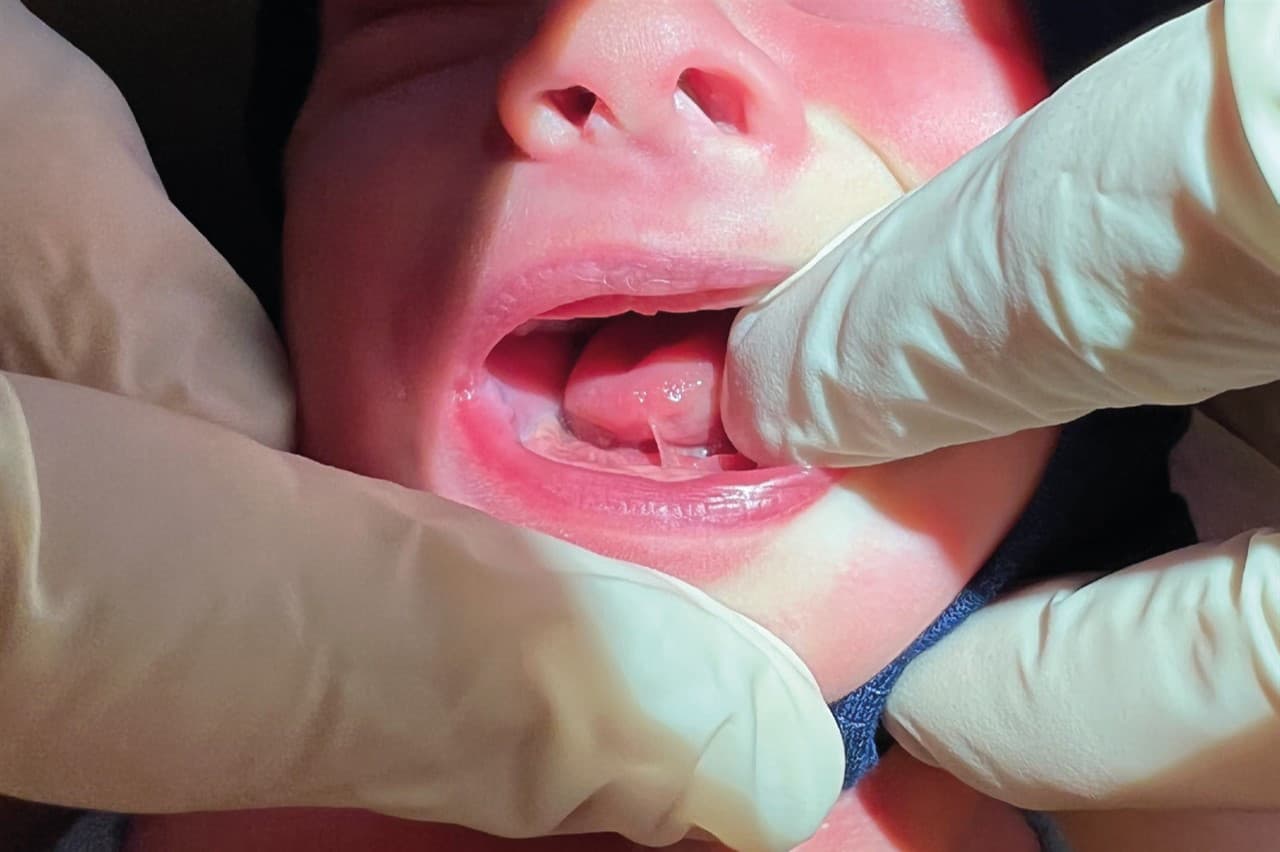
[104, 282]
[1059, 268]
[1156, 687]
[193, 621]
[1253, 36]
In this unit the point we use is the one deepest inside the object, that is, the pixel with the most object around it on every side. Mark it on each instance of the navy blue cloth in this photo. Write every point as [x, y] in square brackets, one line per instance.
[94, 832]
[1104, 503]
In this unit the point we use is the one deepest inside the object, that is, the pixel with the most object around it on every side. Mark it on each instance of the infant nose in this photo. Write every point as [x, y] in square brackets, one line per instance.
[644, 72]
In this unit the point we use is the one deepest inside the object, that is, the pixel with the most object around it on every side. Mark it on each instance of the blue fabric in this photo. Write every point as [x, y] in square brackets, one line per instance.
[1103, 503]
[1047, 832]
[94, 832]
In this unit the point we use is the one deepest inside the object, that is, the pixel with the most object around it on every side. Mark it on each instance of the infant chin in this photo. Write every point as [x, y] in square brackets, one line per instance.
[602, 428]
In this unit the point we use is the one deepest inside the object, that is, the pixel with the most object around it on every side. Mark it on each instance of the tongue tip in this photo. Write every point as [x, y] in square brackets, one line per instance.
[641, 379]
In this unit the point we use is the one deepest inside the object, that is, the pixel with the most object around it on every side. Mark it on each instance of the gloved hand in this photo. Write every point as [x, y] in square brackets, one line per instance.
[1151, 688]
[192, 620]
[1119, 245]
[195, 622]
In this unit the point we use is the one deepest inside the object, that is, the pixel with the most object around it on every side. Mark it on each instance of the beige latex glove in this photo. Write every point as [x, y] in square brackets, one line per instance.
[192, 620]
[1155, 687]
[1119, 245]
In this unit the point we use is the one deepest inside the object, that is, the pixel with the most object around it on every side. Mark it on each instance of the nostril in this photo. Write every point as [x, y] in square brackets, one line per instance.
[721, 99]
[574, 103]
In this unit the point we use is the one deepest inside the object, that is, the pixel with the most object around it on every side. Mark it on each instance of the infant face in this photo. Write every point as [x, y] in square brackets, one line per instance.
[515, 235]
[514, 232]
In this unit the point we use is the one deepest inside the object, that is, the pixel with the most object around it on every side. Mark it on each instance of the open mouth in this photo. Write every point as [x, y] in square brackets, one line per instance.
[635, 393]
[593, 413]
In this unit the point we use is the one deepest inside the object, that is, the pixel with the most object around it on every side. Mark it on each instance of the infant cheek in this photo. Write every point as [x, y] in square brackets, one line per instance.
[905, 806]
[847, 587]
[857, 623]
[871, 615]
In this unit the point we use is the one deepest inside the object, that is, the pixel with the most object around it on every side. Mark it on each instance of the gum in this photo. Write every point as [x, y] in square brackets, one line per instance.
[551, 440]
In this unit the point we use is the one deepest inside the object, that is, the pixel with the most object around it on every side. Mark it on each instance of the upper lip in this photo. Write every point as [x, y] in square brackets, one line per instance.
[610, 281]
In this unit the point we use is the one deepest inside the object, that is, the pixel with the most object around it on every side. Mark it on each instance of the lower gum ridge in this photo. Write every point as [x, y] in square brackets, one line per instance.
[551, 441]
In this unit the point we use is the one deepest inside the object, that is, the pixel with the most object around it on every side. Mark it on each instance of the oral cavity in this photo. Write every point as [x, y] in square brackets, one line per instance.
[632, 394]
[651, 380]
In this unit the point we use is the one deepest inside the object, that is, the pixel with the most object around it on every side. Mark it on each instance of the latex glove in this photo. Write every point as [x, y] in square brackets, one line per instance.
[1152, 688]
[1119, 245]
[191, 620]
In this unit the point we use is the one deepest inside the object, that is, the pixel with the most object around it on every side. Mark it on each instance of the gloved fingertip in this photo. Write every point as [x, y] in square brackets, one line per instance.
[900, 727]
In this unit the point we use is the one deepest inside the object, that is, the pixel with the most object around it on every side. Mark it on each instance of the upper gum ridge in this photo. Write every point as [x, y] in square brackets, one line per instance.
[563, 289]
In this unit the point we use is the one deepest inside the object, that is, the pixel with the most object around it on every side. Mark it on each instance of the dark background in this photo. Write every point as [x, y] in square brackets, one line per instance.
[186, 69]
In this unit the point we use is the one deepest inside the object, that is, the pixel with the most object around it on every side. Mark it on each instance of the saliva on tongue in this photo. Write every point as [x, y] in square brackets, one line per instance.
[654, 382]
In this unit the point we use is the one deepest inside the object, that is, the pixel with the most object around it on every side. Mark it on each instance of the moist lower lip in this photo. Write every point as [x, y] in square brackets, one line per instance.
[536, 490]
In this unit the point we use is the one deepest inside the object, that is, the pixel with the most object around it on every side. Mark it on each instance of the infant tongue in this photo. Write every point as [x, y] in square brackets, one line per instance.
[642, 380]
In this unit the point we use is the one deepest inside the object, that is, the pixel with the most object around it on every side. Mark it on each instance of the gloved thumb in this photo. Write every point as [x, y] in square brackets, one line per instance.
[773, 404]
[195, 622]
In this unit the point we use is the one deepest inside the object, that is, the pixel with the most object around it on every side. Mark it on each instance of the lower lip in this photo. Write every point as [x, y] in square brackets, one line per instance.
[611, 513]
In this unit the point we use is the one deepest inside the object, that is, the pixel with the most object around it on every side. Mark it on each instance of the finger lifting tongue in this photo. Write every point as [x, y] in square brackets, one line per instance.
[646, 381]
